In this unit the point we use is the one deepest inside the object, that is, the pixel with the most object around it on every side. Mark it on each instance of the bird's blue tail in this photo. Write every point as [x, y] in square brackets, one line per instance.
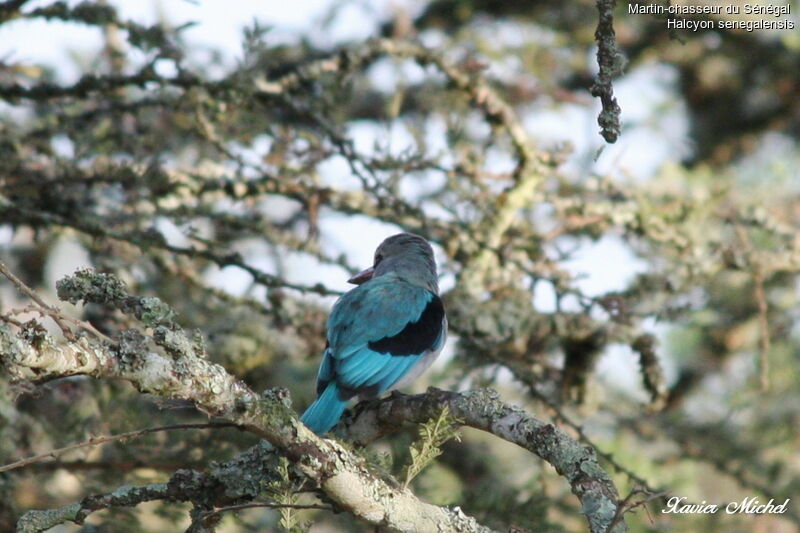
[325, 412]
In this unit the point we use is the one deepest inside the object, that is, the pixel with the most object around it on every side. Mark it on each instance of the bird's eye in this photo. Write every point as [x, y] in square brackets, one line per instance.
[378, 259]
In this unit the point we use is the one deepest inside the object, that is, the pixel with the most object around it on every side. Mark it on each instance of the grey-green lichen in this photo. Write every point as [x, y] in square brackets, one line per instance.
[259, 462]
[89, 286]
[152, 311]
[130, 345]
[42, 520]
[175, 342]
[11, 348]
[590, 466]
[599, 511]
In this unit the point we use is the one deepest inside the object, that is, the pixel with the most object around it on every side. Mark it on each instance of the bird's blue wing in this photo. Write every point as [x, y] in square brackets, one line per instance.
[378, 332]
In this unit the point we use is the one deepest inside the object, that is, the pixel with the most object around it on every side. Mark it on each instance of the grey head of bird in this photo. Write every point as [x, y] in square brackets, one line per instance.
[408, 257]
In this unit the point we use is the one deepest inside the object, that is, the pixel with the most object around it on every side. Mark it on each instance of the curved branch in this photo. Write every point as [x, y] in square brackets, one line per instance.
[483, 409]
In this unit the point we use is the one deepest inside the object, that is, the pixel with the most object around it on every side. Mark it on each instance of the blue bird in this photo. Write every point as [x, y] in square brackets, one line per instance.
[382, 334]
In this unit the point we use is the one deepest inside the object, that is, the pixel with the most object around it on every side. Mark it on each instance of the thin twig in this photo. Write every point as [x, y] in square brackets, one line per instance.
[94, 441]
[758, 275]
[763, 323]
[53, 312]
[30, 293]
[529, 379]
[626, 506]
[265, 504]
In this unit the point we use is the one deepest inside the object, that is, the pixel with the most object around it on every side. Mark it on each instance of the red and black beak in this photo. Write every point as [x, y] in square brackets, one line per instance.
[361, 277]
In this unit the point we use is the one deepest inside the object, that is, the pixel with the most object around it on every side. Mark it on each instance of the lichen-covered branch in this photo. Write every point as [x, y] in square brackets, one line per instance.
[339, 473]
[609, 61]
[483, 409]
[38, 521]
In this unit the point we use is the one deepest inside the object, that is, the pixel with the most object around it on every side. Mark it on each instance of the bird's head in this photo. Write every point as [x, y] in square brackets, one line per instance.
[407, 255]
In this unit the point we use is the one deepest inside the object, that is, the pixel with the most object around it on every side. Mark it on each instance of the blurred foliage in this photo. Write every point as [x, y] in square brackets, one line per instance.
[218, 187]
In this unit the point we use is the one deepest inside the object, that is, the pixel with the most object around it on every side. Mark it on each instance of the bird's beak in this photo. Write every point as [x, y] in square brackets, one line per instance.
[361, 277]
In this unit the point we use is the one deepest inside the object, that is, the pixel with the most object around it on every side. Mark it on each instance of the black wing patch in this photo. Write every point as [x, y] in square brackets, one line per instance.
[322, 381]
[416, 337]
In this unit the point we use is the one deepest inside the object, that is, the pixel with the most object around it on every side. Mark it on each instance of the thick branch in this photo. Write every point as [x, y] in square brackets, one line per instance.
[482, 409]
[339, 473]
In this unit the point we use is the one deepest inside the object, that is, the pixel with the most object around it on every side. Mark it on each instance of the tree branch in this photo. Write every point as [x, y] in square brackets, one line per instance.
[127, 496]
[483, 409]
[610, 63]
[95, 441]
